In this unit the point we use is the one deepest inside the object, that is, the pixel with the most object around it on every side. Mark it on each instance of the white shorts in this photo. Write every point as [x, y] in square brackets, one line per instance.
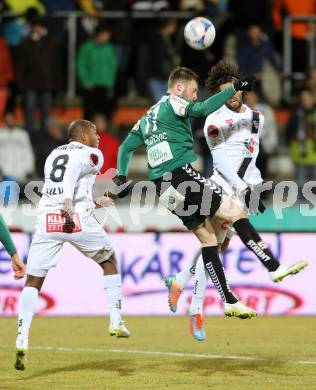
[88, 237]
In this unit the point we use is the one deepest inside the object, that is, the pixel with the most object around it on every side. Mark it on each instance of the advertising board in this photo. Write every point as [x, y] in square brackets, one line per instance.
[75, 286]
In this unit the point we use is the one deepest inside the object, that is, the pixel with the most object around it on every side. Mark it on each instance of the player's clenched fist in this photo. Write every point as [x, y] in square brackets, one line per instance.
[67, 213]
[245, 83]
[18, 267]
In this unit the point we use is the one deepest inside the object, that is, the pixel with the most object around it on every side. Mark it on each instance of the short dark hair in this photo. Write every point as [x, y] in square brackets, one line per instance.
[221, 73]
[78, 127]
[102, 27]
[182, 74]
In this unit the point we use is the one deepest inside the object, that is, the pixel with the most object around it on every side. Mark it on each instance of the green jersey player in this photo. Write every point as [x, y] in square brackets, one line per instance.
[166, 133]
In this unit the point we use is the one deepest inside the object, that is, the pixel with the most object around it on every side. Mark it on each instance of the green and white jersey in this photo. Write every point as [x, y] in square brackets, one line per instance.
[165, 131]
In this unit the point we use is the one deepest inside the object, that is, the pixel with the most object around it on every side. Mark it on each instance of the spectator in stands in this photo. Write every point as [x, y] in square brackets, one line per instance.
[15, 29]
[269, 134]
[44, 143]
[254, 50]
[56, 24]
[20, 7]
[108, 143]
[192, 5]
[246, 12]
[16, 153]
[6, 75]
[13, 34]
[59, 5]
[90, 7]
[301, 136]
[38, 73]
[300, 29]
[162, 57]
[97, 67]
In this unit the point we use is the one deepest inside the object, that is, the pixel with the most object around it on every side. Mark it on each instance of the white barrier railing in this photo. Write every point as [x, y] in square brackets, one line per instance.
[288, 73]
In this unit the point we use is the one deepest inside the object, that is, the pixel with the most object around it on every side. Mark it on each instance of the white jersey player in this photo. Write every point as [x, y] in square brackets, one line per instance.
[66, 214]
[233, 139]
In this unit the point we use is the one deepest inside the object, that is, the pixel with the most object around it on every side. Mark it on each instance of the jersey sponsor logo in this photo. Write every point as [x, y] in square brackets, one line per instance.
[212, 131]
[230, 124]
[179, 105]
[56, 223]
[182, 110]
[250, 147]
[94, 159]
[159, 153]
[156, 138]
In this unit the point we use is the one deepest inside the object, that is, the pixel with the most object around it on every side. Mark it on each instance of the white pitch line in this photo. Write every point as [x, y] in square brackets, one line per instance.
[162, 353]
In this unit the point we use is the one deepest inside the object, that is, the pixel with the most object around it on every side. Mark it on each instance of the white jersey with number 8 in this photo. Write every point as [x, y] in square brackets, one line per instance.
[70, 172]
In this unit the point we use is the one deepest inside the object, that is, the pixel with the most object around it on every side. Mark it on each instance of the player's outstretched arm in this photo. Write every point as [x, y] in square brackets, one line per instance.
[133, 141]
[214, 102]
[5, 237]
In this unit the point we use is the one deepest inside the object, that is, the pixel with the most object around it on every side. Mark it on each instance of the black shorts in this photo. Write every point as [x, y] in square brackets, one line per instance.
[189, 195]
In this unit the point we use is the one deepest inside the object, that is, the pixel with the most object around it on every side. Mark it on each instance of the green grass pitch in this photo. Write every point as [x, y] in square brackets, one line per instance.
[77, 353]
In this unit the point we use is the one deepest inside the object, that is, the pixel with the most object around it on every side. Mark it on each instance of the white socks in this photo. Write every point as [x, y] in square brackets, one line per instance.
[196, 305]
[113, 286]
[184, 276]
[27, 304]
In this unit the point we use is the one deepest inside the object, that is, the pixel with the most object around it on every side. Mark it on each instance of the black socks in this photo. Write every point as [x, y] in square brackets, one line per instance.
[215, 269]
[250, 237]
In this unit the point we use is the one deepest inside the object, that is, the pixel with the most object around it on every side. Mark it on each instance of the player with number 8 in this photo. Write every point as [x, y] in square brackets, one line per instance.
[65, 214]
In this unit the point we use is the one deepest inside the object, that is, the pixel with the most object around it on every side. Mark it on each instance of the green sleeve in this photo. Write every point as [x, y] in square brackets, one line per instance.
[133, 141]
[5, 238]
[211, 104]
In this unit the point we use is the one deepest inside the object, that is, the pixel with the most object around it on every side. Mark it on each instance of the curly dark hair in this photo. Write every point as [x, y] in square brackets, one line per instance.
[221, 73]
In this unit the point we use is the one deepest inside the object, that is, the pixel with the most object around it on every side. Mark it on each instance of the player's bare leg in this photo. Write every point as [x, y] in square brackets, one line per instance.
[233, 213]
[27, 304]
[113, 285]
[213, 265]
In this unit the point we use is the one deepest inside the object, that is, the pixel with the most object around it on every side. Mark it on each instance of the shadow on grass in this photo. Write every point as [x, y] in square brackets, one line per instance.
[122, 367]
[200, 367]
[206, 367]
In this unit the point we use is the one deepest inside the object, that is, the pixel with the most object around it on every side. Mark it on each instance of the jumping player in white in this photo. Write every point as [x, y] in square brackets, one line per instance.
[65, 214]
[232, 134]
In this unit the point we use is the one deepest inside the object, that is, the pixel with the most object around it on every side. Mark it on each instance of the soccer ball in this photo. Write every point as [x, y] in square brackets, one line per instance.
[199, 33]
